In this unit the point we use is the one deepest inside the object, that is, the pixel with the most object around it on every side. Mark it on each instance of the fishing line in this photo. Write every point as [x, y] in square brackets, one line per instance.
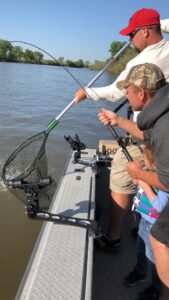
[71, 74]
[25, 172]
[50, 55]
[65, 68]
[53, 123]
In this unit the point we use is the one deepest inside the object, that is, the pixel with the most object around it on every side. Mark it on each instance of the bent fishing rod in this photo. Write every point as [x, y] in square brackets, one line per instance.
[31, 177]
[55, 120]
[42, 136]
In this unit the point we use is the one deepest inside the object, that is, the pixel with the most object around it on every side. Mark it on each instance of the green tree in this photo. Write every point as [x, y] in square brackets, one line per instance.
[70, 63]
[17, 53]
[5, 50]
[28, 55]
[115, 47]
[87, 63]
[61, 60]
[124, 58]
[38, 57]
[79, 63]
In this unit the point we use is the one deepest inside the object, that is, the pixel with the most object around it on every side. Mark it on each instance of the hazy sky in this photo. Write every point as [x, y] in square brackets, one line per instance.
[73, 29]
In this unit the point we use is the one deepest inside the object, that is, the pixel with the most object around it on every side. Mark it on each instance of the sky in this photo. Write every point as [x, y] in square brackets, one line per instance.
[73, 29]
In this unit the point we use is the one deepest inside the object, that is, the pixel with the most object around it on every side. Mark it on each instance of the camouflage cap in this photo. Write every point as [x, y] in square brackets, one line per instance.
[147, 76]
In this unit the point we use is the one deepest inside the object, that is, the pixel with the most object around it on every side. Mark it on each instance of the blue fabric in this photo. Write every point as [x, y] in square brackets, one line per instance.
[157, 204]
[161, 200]
[143, 232]
[145, 255]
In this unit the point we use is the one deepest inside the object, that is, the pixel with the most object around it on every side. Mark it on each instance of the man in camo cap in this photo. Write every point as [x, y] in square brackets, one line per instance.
[148, 76]
[154, 122]
[147, 91]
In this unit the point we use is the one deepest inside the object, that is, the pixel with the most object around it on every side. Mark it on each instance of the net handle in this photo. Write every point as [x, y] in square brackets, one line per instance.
[55, 121]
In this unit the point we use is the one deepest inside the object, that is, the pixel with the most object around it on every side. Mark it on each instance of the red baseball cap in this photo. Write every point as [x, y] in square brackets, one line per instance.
[141, 18]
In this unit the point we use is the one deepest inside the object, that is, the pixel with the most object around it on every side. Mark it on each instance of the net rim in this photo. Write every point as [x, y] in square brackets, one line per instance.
[27, 171]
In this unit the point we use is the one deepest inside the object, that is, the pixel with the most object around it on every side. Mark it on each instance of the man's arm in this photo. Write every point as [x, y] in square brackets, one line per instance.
[109, 117]
[109, 92]
[165, 25]
[130, 127]
[135, 171]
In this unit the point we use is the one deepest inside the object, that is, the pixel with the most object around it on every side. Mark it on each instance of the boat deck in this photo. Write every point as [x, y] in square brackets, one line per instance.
[61, 264]
[64, 264]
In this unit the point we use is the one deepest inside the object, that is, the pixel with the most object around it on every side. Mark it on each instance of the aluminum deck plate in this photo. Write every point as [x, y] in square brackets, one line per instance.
[61, 263]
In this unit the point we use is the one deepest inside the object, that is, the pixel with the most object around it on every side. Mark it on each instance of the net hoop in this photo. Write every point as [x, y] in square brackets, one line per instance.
[27, 171]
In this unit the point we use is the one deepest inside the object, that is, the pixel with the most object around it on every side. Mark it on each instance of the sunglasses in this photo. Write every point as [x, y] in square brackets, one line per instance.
[132, 34]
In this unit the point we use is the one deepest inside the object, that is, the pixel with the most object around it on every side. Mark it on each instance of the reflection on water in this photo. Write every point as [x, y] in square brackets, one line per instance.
[31, 95]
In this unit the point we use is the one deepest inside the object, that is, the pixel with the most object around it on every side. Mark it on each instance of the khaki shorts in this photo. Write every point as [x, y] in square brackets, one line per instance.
[120, 181]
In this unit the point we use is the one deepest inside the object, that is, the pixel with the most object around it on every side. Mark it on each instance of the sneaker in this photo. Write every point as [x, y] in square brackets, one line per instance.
[133, 278]
[150, 293]
[104, 244]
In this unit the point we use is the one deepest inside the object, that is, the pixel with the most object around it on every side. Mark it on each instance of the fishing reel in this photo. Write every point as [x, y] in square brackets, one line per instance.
[76, 145]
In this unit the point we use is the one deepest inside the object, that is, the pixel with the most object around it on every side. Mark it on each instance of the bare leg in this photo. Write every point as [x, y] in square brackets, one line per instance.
[119, 207]
[161, 255]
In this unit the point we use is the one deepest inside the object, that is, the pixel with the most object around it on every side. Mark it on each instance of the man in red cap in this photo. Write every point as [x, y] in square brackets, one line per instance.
[145, 35]
[141, 18]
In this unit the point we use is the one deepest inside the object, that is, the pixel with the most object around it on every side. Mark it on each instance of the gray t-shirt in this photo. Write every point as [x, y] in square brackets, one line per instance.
[154, 121]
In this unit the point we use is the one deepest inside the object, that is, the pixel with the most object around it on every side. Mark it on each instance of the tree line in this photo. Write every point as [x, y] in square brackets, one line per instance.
[121, 62]
[11, 53]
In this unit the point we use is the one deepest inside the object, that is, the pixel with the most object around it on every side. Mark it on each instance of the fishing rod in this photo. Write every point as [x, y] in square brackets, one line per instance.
[121, 142]
[55, 121]
[38, 141]
[110, 61]
[26, 168]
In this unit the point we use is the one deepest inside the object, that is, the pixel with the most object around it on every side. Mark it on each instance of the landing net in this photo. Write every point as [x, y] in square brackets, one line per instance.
[27, 165]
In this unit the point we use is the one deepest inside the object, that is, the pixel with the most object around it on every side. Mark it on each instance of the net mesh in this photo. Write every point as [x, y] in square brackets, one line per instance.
[28, 164]
[28, 161]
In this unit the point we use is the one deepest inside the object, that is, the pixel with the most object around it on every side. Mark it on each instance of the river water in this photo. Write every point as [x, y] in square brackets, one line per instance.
[30, 96]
